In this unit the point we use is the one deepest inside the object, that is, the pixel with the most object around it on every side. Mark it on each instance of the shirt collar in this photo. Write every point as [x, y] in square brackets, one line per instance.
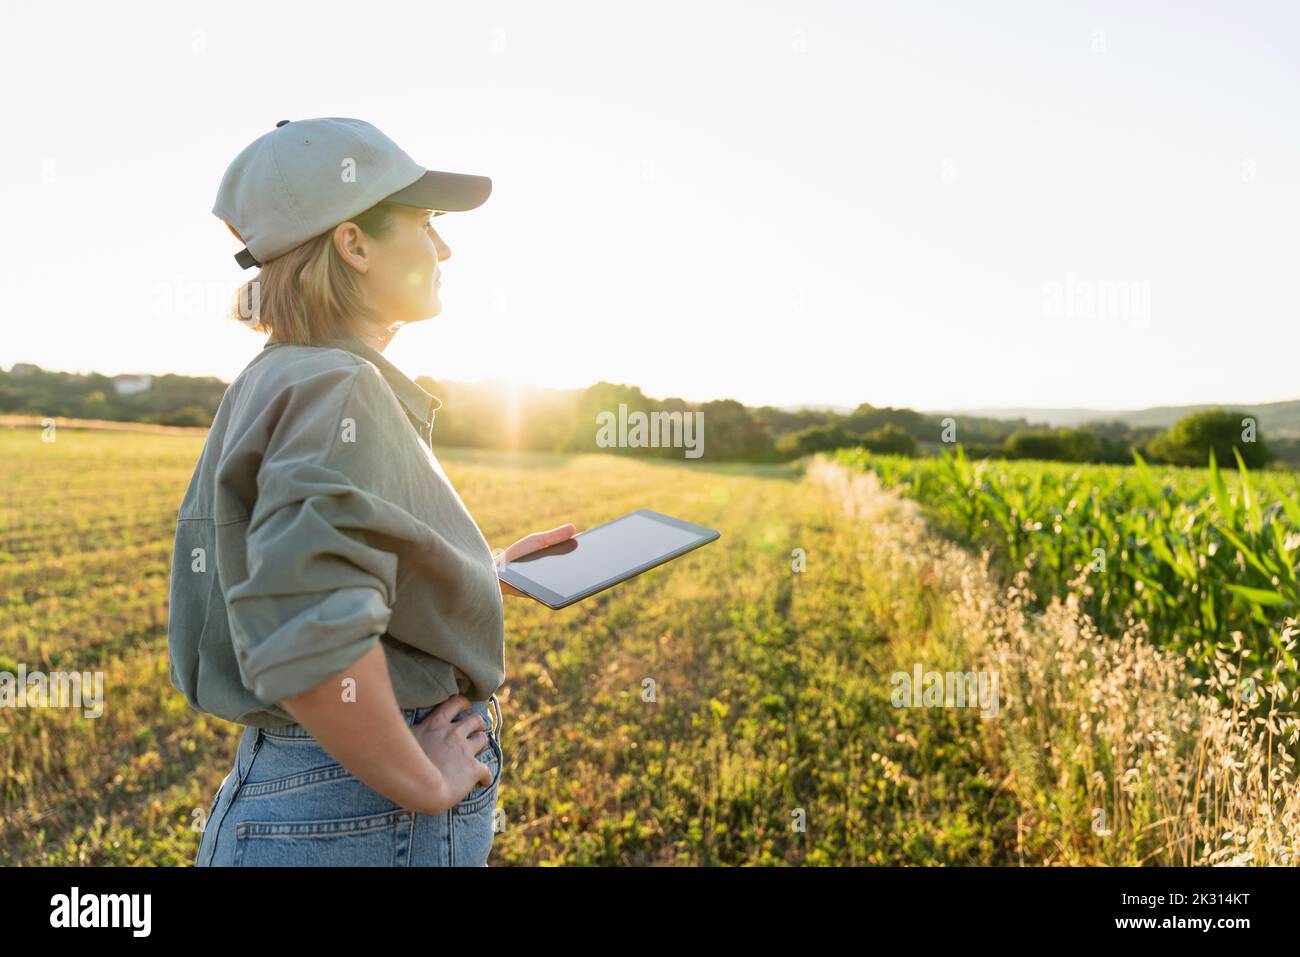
[421, 405]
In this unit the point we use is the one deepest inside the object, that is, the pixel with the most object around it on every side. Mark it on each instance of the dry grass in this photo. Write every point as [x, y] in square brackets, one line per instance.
[1115, 754]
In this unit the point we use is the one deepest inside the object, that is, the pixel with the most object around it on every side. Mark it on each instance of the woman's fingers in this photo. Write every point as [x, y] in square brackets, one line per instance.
[444, 713]
[466, 726]
[558, 534]
[526, 546]
[539, 540]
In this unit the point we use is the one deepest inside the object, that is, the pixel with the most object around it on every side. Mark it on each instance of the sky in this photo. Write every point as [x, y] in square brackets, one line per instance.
[934, 205]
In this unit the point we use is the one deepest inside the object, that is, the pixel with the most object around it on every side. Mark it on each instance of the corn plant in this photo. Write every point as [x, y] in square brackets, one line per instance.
[1194, 554]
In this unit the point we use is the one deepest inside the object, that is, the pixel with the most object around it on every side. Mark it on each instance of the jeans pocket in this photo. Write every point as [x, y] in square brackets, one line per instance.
[482, 796]
[373, 840]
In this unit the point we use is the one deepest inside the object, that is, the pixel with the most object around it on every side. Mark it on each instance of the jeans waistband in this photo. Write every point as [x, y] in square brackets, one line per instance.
[411, 716]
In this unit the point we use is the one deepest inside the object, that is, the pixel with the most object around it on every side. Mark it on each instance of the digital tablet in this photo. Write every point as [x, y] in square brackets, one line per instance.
[603, 556]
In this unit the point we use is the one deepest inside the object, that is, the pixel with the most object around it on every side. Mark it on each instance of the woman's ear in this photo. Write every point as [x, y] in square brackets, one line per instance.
[235, 232]
[349, 243]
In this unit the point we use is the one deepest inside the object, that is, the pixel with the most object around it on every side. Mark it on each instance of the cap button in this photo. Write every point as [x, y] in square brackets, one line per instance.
[280, 124]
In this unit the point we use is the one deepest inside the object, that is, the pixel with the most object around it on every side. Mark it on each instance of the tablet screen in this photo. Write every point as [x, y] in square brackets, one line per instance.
[604, 552]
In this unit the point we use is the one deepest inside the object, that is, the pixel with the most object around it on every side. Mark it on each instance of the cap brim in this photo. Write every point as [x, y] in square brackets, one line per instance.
[453, 192]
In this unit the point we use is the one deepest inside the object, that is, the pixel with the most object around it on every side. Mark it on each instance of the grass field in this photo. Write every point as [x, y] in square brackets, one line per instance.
[771, 740]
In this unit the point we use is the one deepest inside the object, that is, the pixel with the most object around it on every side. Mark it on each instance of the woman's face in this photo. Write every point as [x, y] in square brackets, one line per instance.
[401, 278]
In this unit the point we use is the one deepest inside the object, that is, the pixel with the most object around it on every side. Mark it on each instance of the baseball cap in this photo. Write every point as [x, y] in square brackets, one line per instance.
[306, 176]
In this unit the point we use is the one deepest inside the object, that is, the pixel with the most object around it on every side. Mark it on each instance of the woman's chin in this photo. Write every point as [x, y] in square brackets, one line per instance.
[428, 312]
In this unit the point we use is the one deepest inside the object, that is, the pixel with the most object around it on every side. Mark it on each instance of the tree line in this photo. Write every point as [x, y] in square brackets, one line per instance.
[566, 420]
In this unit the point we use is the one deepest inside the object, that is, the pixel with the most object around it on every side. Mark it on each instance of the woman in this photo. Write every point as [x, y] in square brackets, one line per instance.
[329, 589]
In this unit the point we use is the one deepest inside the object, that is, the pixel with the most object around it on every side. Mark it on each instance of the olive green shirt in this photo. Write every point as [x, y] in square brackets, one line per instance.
[318, 522]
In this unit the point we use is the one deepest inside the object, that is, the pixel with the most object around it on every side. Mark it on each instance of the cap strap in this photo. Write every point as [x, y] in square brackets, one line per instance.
[245, 259]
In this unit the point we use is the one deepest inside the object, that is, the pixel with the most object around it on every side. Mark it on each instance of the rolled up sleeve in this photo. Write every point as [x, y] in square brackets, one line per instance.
[317, 576]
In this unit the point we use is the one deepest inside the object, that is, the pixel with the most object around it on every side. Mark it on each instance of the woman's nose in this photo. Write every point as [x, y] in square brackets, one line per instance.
[444, 251]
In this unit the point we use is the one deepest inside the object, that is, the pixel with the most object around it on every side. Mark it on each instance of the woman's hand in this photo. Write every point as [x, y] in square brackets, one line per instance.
[528, 545]
[451, 746]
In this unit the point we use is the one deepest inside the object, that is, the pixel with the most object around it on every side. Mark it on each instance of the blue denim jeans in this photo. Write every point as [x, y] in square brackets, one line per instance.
[288, 803]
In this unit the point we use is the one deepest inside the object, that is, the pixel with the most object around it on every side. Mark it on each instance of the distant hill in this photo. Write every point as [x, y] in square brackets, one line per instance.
[1276, 419]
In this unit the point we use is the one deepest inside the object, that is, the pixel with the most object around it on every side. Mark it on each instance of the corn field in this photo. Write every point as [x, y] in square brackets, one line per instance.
[1195, 554]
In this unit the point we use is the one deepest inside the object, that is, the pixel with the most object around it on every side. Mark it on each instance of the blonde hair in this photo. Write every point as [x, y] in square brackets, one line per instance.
[309, 293]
